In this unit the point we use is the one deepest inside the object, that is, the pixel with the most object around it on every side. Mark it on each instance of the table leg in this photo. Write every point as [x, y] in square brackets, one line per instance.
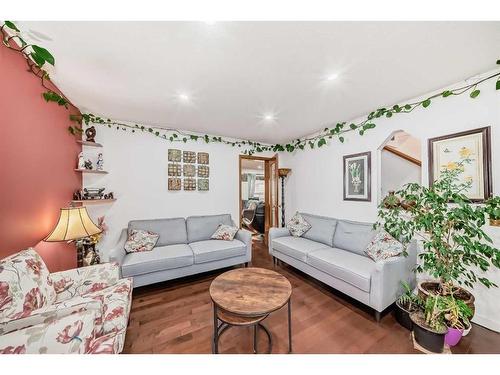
[255, 338]
[290, 325]
[215, 344]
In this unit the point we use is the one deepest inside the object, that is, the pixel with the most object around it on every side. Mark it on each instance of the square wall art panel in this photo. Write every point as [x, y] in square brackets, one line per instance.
[203, 184]
[174, 155]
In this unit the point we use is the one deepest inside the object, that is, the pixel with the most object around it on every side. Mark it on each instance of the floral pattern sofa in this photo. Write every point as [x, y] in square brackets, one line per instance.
[82, 310]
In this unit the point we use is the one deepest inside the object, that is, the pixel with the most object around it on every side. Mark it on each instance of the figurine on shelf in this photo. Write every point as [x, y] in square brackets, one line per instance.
[81, 161]
[93, 193]
[78, 195]
[109, 195]
[100, 162]
[90, 134]
[88, 164]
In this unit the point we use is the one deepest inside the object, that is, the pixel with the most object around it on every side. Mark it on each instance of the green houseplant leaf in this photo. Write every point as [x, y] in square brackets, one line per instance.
[44, 54]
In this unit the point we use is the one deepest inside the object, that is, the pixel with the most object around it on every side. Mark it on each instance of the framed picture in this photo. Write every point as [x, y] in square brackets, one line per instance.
[174, 155]
[469, 150]
[357, 177]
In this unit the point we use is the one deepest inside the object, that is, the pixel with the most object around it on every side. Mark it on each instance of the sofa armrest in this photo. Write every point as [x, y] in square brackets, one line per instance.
[276, 233]
[52, 313]
[245, 236]
[117, 253]
[79, 281]
[68, 335]
[388, 275]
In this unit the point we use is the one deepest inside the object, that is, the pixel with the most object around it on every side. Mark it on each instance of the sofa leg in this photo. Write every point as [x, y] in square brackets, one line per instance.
[247, 264]
[377, 316]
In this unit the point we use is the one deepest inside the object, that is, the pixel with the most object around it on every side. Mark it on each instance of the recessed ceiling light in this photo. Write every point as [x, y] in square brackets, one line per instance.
[332, 77]
[269, 117]
[184, 97]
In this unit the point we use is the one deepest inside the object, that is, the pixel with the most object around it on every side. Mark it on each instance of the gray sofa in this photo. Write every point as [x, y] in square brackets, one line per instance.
[183, 248]
[332, 251]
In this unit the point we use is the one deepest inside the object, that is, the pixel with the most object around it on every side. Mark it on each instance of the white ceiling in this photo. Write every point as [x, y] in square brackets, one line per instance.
[236, 72]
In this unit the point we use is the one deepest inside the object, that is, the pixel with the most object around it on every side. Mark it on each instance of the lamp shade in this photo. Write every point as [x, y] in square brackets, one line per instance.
[283, 172]
[74, 223]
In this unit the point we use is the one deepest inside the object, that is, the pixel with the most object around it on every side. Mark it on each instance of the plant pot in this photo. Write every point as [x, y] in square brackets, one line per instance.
[427, 338]
[427, 287]
[495, 222]
[391, 201]
[403, 317]
[453, 336]
[467, 330]
[408, 204]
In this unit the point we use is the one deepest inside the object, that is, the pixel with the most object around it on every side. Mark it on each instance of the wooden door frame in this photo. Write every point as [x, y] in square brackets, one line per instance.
[267, 188]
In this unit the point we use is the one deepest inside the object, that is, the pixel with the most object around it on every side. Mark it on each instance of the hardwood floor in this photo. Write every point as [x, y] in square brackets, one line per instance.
[176, 317]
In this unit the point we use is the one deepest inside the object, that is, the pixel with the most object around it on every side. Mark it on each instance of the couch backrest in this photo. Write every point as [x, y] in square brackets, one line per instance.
[353, 236]
[322, 228]
[201, 228]
[172, 230]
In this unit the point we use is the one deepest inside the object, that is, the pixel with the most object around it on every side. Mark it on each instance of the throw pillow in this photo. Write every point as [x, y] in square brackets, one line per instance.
[225, 232]
[141, 240]
[383, 246]
[25, 285]
[297, 225]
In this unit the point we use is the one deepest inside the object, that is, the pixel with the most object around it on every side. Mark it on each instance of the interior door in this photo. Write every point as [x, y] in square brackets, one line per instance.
[271, 180]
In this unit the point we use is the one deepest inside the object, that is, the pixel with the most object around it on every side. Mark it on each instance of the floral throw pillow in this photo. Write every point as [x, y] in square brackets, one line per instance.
[25, 285]
[225, 232]
[297, 225]
[383, 246]
[141, 240]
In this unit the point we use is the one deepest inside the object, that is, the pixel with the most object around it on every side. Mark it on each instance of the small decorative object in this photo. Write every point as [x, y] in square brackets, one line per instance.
[189, 157]
[357, 177]
[203, 184]
[283, 172]
[100, 162]
[174, 169]
[109, 195]
[174, 155]
[174, 184]
[81, 161]
[90, 134]
[391, 201]
[78, 195]
[203, 158]
[90, 255]
[189, 184]
[93, 193]
[189, 170]
[203, 171]
[88, 164]
[448, 152]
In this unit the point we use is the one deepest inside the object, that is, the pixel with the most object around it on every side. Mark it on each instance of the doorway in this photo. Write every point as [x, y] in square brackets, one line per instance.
[258, 198]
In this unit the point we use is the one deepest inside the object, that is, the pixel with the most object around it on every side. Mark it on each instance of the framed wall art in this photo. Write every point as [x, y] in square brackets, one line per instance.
[189, 184]
[174, 184]
[203, 158]
[174, 169]
[189, 157]
[203, 171]
[468, 150]
[189, 170]
[203, 184]
[357, 177]
[174, 155]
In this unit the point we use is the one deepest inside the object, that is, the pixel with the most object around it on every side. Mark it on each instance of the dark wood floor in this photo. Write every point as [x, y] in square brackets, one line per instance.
[176, 317]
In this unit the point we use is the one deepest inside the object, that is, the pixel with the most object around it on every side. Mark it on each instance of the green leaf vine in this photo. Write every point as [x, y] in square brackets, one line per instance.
[36, 58]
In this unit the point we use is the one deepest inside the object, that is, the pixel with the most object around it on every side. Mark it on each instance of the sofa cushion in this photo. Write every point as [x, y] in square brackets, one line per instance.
[352, 268]
[212, 250]
[140, 240]
[159, 259]
[201, 228]
[171, 231]
[296, 247]
[353, 236]
[322, 228]
[224, 232]
[297, 225]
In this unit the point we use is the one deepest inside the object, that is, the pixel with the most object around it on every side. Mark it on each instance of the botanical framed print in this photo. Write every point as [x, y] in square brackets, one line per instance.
[174, 184]
[471, 152]
[357, 177]
[203, 184]
[203, 158]
[174, 155]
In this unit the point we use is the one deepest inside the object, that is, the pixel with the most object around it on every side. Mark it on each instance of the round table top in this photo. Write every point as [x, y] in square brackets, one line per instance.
[250, 291]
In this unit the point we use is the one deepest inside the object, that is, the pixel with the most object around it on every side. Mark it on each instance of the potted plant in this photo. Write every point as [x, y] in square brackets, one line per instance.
[406, 304]
[456, 315]
[429, 327]
[450, 228]
[493, 209]
[391, 200]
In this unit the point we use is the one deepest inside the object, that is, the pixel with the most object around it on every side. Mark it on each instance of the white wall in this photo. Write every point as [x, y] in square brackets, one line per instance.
[315, 184]
[137, 166]
[396, 172]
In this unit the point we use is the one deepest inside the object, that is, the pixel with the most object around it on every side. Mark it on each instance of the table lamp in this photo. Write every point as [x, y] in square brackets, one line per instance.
[74, 224]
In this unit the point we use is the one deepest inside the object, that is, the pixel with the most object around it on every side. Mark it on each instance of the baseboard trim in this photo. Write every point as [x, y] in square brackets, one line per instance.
[494, 325]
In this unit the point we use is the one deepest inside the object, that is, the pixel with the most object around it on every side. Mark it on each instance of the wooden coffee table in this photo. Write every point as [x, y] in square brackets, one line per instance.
[245, 297]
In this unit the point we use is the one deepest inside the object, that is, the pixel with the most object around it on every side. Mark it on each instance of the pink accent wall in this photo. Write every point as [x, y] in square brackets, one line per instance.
[37, 158]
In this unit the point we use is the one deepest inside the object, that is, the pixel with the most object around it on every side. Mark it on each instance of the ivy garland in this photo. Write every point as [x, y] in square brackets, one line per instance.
[36, 58]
